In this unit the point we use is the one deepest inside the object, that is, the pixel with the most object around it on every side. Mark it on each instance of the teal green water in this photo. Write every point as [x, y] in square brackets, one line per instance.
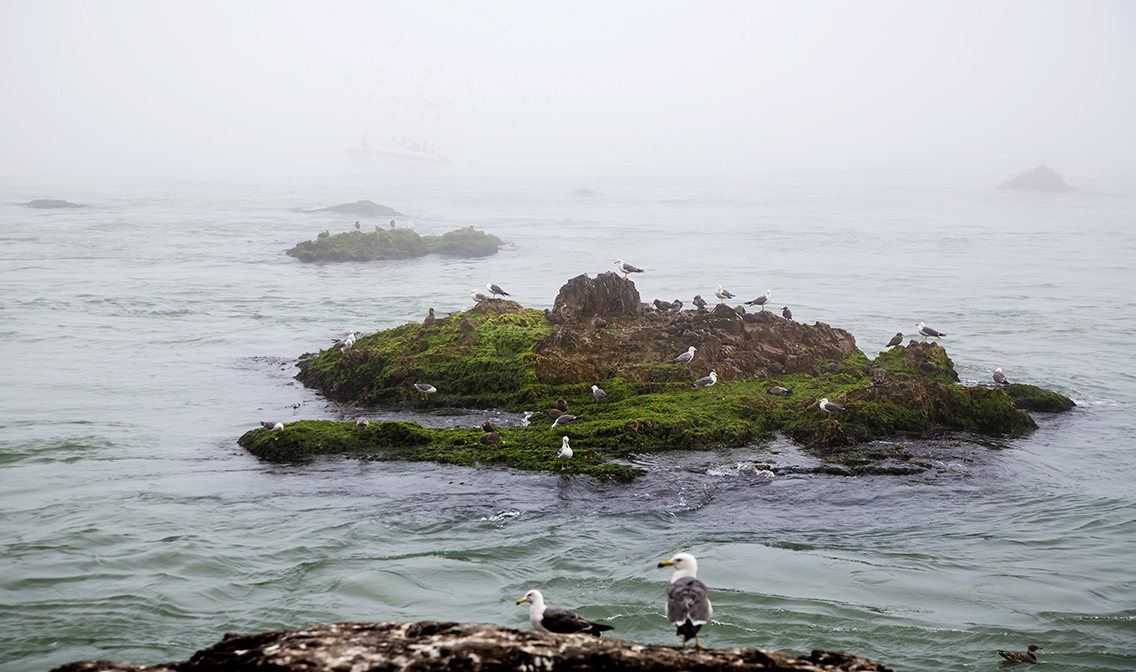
[142, 335]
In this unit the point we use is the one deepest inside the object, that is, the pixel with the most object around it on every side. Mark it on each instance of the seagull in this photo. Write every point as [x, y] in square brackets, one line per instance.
[685, 357]
[1000, 378]
[562, 405]
[786, 313]
[597, 393]
[722, 293]
[761, 300]
[688, 607]
[699, 302]
[357, 227]
[707, 381]
[926, 331]
[598, 322]
[478, 296]
[348, 341]
[895, 340]
[489, 426]
[552, 317]
[563, 419]
[272, 426]
[781, 391]
[626, 268]
[829, 407]
[495, 290]
[1017, 657]
[362, 422]
[425, 388]
[556, 620]
[565, 452]
[429, 319]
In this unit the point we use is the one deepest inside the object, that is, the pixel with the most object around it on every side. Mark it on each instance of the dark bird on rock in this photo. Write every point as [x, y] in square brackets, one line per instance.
[598, 322]
[556, 620]
[895, 340]
[489, 426]
[553, 412]
[833, 367]
[552, 317]
[429, 319]
[688, 604]
[1019, 657]
[926, 331]
[781, 391]
[829, 407]
[598, 393]
[324, 234]
[392, 223]
[917, 352]
[928, 366]
[661, 306]
[490, 437]
[676, 305]
[879, 374]
[699, 302]
[563, 419]
[1000, 377]
[357, 227]
[786, 313]
[626, 268]
[562, 405]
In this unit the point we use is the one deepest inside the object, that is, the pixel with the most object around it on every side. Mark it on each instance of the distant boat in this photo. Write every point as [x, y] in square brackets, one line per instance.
[404, 151]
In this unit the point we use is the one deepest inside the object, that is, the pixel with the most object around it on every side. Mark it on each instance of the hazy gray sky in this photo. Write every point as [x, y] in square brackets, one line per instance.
[136, 87]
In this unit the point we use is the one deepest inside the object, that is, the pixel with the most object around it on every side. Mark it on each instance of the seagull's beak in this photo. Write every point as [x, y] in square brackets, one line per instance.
[522, 600]
[666, 563]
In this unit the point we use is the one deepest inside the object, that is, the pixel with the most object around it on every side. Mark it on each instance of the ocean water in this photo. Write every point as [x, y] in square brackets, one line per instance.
[143, 334]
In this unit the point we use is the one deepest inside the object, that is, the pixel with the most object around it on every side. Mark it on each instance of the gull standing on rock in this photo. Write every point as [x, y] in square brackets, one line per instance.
[688, 607]
[429, 319]
[626, 268]
[272, 426]
[563, 419]
[425, 388]
[722, 294]
[1000, 377]
[699, 302]
[895, 340]
[761, 300]
[598, 322]
[685, 357]
[347, 342]
[829, 407]
[565, 452]
[478, 296]
[786, 313]
[597, 393]
[495, 290]
[926, 331]
[556, 620]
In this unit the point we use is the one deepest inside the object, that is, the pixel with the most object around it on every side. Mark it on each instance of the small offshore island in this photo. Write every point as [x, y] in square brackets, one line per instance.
[395, 243]
[502, 355]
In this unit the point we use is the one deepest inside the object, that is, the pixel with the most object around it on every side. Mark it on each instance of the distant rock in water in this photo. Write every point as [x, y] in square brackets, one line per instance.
[585, 193]
[395, 244]
[1040, 178]
[49, 203]
[363, 208]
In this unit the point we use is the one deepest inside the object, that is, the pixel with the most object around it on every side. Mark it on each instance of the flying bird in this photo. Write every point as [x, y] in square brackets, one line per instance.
[685, 357]
[556, 620]
[829, 407]
[926, 331]
[626, 268]
[707, 381]
[688, 607]
[761, 300]
[597, 393]
[895, 340]
[495, 290]
[1018, 657]
[722, 293]
[1000, 378]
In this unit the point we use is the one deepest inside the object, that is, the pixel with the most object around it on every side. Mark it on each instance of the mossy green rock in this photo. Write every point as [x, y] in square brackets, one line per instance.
[1033, 398]
[501, 355]
[390, 244]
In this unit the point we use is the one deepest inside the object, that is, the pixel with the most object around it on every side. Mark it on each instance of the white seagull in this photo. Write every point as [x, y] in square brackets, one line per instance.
[556, 620]
[761, 300]
[707, 381]
[1000, 377]
[829, 407]
[685, 357]
[722, 293]
[565, 452]
[347, 342]
[272, 426]
[626, 268]
[478, 296]
[688, 607]
[597, 393]
[425, 388]
[926, 331]
[563, 419]
[495, 290]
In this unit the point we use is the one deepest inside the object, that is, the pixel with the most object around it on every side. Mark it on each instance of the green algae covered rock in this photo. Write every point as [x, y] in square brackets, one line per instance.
[390, 244]
[501, 355]
[1033, 398]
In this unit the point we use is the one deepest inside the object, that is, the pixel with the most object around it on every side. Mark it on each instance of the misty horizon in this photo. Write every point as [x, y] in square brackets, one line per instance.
[138, 89]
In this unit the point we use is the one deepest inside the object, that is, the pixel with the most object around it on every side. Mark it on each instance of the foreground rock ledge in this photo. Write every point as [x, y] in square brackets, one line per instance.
[431, 645]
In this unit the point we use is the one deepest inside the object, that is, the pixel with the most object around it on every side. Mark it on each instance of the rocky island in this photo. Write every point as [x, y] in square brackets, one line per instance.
[395, 243]
[428, 646]
[770, 371]
[52, 204]
[1040, 178]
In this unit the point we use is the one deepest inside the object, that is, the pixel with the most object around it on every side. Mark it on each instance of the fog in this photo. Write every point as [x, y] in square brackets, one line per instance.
[246, 88]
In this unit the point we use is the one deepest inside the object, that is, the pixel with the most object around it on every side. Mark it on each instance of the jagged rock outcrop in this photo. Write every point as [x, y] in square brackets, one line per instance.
[426, 646]
[1040, 178]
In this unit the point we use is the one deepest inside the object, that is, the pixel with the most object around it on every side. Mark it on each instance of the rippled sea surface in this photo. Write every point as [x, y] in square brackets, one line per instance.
[143, 334]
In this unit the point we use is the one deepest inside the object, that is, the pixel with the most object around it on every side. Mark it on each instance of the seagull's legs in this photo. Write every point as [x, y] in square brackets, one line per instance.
[697, 644]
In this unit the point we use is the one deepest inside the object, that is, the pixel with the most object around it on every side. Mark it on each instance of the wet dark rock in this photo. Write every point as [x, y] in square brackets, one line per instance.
[52, 203]
[608, 294]
[1040, 178]
[428, 646]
